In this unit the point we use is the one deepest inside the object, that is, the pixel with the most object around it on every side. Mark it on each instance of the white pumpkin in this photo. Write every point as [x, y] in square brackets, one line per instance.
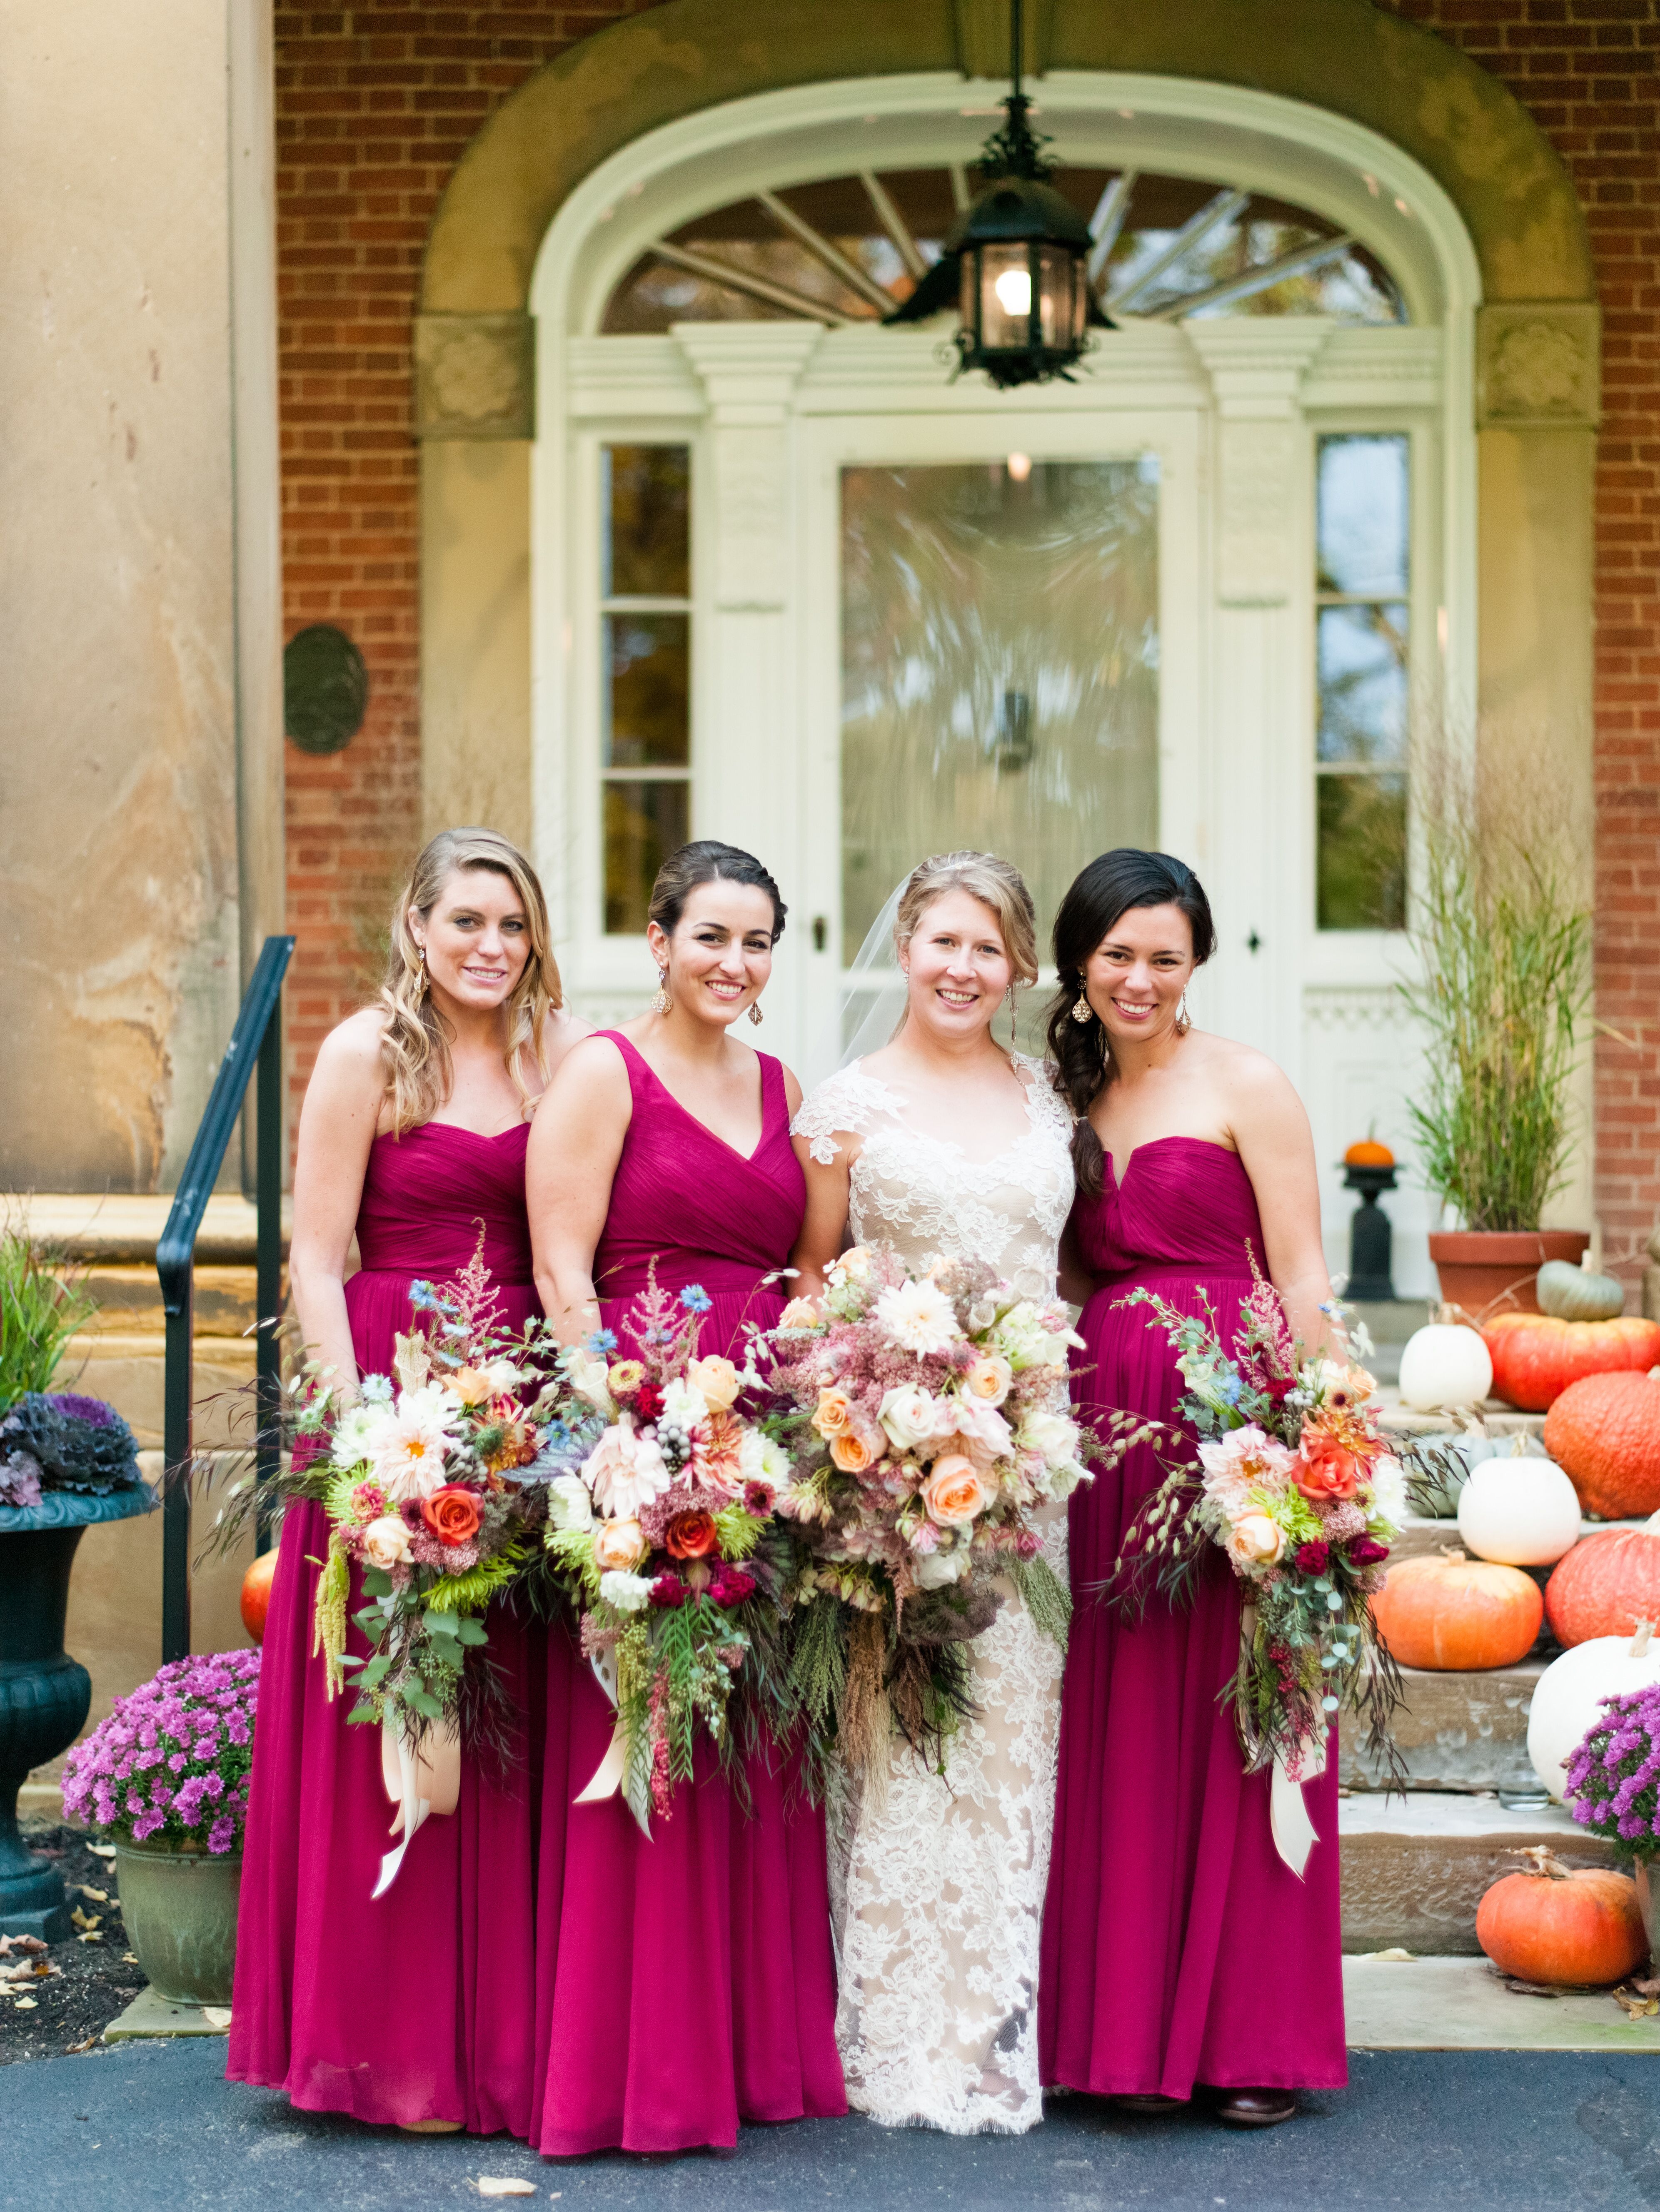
[1444, 1364]
[1568, 1701]
[1521, 1512]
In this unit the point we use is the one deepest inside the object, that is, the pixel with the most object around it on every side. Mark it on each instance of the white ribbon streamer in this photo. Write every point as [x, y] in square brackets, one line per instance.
[612, 1773]
[419, 1781]
[1294, 1837]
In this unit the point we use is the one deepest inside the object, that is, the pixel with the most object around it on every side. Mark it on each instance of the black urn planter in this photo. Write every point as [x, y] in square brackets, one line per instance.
[44, 1693]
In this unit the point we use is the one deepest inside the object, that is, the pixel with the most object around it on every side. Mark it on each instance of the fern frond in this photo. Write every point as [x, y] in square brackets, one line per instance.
[739, 1532]
[472, 1591]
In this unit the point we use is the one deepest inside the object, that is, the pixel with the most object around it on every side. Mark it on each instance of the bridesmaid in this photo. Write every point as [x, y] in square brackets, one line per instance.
[688, 1983]
[1178, 1948]
[415, 2011]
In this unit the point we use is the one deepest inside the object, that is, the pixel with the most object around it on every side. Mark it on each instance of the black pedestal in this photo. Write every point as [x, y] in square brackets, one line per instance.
[1369, 1237]
[44, 1697]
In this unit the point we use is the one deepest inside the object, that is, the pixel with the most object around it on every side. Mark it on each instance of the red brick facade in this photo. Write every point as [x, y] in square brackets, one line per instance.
[376, 104]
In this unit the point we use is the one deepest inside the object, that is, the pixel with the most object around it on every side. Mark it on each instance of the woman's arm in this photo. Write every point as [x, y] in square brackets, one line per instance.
[343, 1099]
[1073, 1281]
[1268, 1124]
[824, 1224]
[570, 1164]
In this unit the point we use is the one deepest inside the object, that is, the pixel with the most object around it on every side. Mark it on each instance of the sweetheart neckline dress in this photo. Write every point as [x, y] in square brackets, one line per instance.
[421, 2006]
[1178, 1948]
[937, 1891]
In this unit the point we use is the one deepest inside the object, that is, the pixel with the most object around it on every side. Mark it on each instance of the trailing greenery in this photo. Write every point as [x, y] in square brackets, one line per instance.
[42, 1305]
[1504, 945]
[1045, 1596]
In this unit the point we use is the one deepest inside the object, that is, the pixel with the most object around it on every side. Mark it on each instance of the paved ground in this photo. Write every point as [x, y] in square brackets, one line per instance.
[152, 2127]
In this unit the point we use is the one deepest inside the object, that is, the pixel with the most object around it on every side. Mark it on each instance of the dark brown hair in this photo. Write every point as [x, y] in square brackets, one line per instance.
[1109, 887]
[707, 861]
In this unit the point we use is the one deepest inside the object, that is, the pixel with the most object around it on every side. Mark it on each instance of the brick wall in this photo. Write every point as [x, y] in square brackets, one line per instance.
[1586, 70]
[374, 106]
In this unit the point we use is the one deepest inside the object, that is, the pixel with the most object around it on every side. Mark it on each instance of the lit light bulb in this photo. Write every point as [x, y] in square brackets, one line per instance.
[1013, 291]
[1019, 466]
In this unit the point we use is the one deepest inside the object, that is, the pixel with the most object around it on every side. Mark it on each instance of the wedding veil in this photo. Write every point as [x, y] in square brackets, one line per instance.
[873, 987]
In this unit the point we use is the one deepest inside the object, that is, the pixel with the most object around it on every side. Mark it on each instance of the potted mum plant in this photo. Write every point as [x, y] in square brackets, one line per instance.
[1502, 936]
[1613, 1788]
[167, 1778]
[66, 1462]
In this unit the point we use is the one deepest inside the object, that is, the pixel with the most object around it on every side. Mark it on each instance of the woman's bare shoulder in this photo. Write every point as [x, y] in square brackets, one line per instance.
[354, 1049]
[1254, 1084]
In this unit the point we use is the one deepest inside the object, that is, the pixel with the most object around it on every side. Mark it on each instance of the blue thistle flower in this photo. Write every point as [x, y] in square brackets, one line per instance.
[695, 1298]
[602, 1341]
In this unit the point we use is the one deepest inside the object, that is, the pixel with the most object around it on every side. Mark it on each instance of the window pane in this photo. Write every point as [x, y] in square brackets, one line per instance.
[646, 696]
[1363, 684]
[1362, 524]
[1362, 867]
[645, 501]
[644, 823]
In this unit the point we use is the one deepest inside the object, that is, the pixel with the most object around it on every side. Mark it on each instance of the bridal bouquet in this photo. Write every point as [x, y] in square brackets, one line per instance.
[928, 1427]
[665, 1526]
[1294, 1480]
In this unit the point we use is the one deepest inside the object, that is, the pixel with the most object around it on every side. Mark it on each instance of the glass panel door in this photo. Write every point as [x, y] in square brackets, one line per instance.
[999, 658]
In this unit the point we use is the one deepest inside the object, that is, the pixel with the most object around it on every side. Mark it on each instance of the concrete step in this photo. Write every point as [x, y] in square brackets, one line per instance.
[1415, 1870]
[129, 1371]
[130, 1300]
[1457, 1732]
[123, 1226]
[1462, 2004]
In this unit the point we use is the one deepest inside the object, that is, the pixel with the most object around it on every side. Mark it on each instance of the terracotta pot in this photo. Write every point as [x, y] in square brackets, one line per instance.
[1491, 1271]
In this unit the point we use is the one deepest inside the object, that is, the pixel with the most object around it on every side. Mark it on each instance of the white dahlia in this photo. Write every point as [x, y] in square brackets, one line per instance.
[918, 1317]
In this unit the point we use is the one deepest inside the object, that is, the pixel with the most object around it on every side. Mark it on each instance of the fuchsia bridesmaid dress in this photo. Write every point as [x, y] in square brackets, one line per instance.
[1177, 1946]
[686, 1983]
[422, 2006]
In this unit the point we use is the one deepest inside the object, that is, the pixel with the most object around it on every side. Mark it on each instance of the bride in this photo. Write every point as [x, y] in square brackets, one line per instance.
[944, 1143]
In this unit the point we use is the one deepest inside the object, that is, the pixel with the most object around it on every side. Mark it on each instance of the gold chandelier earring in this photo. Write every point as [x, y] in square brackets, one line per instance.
[1082, 1010]
[662, 1002]
[1183, 1018]
[755, 1015]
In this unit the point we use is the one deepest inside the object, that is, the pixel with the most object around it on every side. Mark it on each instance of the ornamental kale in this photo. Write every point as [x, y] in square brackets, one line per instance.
[59, 1440]
[1614, 1777]
[173, 1758]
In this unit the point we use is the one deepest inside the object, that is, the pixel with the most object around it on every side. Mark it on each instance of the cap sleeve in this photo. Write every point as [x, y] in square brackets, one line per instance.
[841, 1104]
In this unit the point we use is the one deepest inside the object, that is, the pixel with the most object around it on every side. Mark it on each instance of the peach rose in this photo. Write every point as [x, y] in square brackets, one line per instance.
[618, 1545]
[386, 1541]
[856, 1448]
[800, 1313]
[952, 1493]
[989, 1377]
[1328, 1471]
[833, 1411]
[1256, 1540]
[469, 1384]
[714, 1380]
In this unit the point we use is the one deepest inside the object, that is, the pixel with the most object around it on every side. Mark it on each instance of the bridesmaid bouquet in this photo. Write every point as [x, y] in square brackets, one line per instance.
[929, 1423]
[663, 1522]
[1296, 1482]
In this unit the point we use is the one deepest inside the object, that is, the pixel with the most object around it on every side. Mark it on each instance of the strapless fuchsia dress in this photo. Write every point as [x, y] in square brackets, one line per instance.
[686, 1983]
[422, 2006]
[1177, 1946]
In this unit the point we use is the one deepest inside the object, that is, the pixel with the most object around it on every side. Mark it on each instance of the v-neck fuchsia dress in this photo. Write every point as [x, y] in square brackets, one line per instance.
[1178, 1948]
[422, 2006]
[687, 1982]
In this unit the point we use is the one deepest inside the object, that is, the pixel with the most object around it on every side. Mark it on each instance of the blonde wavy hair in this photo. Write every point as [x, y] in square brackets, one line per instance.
[996, 884]
[414, 1042]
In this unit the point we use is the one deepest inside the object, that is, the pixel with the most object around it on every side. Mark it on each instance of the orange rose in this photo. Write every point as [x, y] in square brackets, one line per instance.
[856, 1448]
[834, 1412]
[1327, 1470]
[691, 1536]
[453, 1513]
[953, 1494]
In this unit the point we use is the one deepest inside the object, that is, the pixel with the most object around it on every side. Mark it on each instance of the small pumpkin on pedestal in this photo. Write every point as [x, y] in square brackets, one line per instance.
[1561, 1926]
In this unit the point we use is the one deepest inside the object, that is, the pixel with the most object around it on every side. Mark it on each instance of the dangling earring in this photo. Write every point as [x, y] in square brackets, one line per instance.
[662, 1002]
[1082, 1010]
[426, 974]
[1183, 1018]
[755, 1015]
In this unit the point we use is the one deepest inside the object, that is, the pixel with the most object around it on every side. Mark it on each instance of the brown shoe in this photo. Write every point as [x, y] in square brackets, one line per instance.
[1151, 2102]
[429, 2127]
[1256, 2108]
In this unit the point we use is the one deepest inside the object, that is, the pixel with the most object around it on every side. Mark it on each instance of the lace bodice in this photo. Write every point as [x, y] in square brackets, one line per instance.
[924, 1195]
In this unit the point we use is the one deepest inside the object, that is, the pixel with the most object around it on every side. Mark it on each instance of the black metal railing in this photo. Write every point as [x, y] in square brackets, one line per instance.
[256, 1040]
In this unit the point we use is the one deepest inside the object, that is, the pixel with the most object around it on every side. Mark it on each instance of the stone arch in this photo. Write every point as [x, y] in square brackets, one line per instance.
[1345, 55]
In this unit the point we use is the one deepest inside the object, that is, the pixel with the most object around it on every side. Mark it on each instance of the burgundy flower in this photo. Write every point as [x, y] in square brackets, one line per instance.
[758, 1498]
[1313, 1559]
[647, 1402]
[669, 1589]
[1366, 1550]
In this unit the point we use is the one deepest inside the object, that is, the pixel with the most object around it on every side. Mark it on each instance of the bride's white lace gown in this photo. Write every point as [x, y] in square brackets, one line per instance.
[937, 1894]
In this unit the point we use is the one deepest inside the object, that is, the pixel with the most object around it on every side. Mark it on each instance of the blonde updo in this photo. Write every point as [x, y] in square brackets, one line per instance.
[415, 1043]
[996, 884]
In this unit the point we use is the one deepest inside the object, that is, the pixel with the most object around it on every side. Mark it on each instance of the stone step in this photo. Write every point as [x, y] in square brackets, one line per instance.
[129, 1371]
[123, 1227]
[1415, 1869]
[130, 1300]
[1462, 1732]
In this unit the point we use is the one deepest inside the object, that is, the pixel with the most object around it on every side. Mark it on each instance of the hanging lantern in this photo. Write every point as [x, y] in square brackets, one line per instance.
[1015, 259]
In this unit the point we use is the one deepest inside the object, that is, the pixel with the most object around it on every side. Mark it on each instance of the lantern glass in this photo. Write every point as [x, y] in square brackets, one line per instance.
[1061, 300]
[1003, 296]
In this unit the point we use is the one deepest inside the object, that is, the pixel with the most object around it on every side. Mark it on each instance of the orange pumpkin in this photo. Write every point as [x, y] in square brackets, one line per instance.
[1558, 1925]
[1536, 1357]
[1605, 1432]
[1369, 1153]
[1604, 1586]
[1455, 1615]
[256, 1595]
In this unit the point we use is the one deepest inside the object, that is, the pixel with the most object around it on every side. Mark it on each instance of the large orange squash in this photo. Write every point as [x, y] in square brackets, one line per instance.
[1558, 1925]
[1536, 1357]
[1607, 1583]
[1605, 1432]
[256, 1595]
[1456, 1614]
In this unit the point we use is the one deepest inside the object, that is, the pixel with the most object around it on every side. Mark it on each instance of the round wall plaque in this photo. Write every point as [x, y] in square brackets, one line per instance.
[325, 689]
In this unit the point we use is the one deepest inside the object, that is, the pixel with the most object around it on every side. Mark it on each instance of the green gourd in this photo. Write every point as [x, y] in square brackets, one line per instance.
[1571, 1293]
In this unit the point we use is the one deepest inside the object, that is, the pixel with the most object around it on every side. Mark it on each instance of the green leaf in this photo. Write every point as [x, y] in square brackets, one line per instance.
[424, 1703]
[376, 1582]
